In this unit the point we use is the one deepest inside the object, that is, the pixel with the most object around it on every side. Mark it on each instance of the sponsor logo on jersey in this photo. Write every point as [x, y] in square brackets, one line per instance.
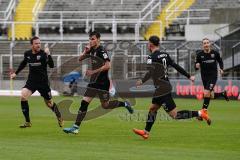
[209, 61]
[35, 64]
[212, 55]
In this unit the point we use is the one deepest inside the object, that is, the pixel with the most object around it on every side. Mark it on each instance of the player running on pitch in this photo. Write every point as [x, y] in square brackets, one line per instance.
[207, 60]
[154, 61]
[99, 81]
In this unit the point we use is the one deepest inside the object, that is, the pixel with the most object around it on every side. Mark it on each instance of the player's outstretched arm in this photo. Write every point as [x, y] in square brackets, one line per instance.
[146, 77]
[181, 70]
[20, 67]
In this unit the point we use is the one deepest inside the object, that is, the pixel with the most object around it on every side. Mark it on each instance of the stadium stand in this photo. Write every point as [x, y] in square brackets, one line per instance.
[72, 28]
[4, 4]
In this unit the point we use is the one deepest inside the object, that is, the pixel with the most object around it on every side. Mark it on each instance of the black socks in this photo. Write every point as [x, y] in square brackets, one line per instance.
[185, 114]
[54, 108]
[115, 104]
[81, 112]
[25, 110]
[206, 102]
[150, 120]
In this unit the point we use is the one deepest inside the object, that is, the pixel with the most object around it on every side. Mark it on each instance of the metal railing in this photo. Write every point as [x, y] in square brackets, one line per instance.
[152, 5]
[61, 36]
[9, 10]
[187, 16]
[135, 54]
[87, 20]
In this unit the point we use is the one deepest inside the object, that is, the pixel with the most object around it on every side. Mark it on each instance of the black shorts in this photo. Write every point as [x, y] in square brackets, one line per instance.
[42, 88]
[209, 82]
[166, 101]
[100, 89]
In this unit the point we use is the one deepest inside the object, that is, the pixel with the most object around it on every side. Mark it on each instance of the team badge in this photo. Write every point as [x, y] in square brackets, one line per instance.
[38, 57]
[105, 56]
[212, 55]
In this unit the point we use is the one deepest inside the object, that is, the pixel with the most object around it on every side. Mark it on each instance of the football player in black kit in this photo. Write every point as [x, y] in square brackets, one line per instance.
[207, 60]
[155, 60]
[99, 81]
[37, 60]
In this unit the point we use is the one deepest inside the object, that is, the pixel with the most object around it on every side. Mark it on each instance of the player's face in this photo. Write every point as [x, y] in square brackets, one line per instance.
[36, 46]
[206, 44]
[94, 41]
[150, 46]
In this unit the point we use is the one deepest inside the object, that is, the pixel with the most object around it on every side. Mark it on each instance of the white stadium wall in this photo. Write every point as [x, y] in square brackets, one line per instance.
[198, 32]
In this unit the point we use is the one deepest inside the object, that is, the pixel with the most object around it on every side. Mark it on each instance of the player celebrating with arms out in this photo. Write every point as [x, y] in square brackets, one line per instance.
[38, 60]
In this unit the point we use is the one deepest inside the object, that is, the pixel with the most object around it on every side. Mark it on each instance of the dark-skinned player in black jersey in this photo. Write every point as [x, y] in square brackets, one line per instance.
[37, 60]
[207, 60]
[155, 72]
[99, 81]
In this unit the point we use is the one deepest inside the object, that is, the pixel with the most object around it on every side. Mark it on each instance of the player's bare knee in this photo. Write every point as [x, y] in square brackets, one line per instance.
[105, 105]
[49, 103]
[207, 93]
[25, 93]
[153, 109]
[24, 97]
[87, 99]
[173, 113]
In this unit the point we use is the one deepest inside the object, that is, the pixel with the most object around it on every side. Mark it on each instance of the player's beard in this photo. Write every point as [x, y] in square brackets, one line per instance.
[36, 49]
[207, 49]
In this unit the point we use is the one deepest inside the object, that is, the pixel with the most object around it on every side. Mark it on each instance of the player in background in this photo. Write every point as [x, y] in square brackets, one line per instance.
[207, 60]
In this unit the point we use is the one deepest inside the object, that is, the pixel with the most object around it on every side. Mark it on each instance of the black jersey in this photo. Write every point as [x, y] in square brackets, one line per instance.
[208, 62]
[98, 58]
[158, 63]
[37, 66]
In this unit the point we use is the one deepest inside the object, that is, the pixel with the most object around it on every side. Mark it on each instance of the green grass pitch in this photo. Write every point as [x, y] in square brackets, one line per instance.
[110, 137]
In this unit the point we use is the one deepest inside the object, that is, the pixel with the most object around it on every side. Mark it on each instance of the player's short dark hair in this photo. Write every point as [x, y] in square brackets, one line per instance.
[95, 33]
[33, 38]
[154, 40]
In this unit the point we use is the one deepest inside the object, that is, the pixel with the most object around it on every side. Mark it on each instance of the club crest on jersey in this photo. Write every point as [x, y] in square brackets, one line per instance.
[38, 57]
[105, 56]
[212, 55]
[149, 61]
